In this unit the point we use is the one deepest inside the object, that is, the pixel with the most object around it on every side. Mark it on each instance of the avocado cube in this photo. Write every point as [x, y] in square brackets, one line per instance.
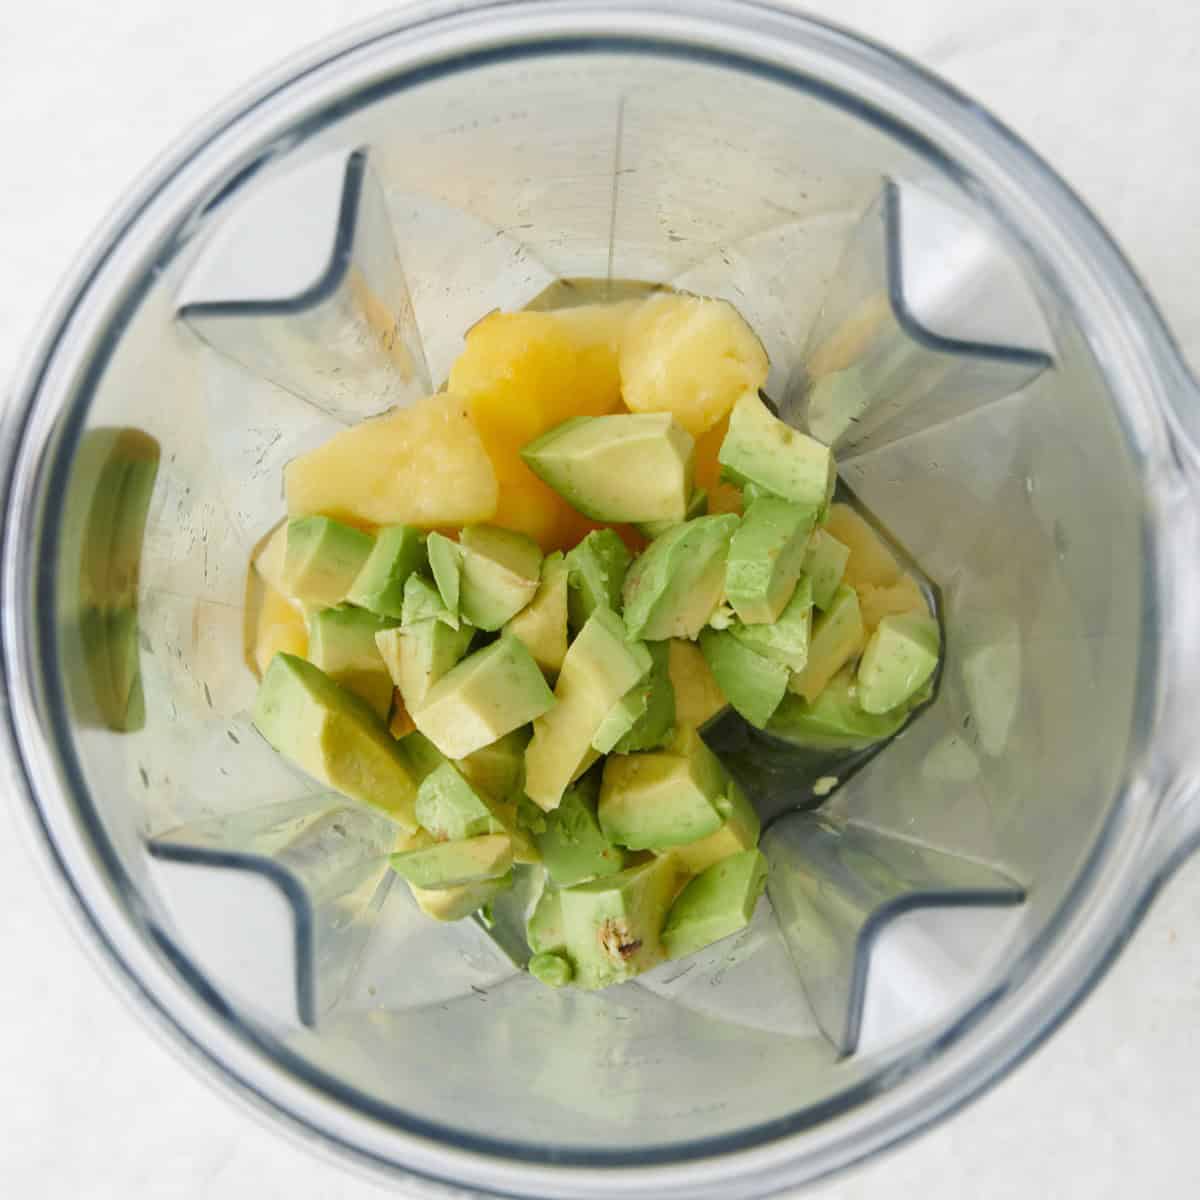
[697, 507]
[330, 733]
[825, 564]
[753, 683]
[718, 902]
[488, 694]
[322, 558]
[678, 582]
[423, 602]
[456, 903]
[766, 555]
[399, 550]
[663, 798]
[740, 832]
[419, 655]
[698, 697]
[761, 449]
[496, 769]
[551, 969]
[837, 637]
[899, 660]
[785, 640]
[542, 623]
[600, 666]
[612, 927]
[446, 563]
[625, 467]
[573, 847]
[452, 864]
[834, 720]
[596, 572]
[544, 925]
[341, 641]
[500, 574]
[644, 718]
[450, 809]
[423, 755]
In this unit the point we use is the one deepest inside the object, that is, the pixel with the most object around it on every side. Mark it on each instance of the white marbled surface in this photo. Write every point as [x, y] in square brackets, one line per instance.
[91, 1104]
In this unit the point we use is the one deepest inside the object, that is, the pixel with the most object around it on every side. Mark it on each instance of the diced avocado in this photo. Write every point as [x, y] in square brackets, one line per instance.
[490, 693]
[596, 572]
[834, 720]
[837, 636]
[500, 573]
[496, 769]
[456, 903]
[544, 926]
[341, 641]
[786, 640]
[423, 602]
[452, 864]
[613, 926]
[450, 809]
[673, 588]
[322, 559]
[446, 562]
[698, 697]
[740, 832]
[601, 665]
[573, 846]
[542, 623]
[664, 798]
[761, 449]
[825, 564]
[399, 550]
[754, 684]
[424, 756]
[644, 718]
[697, 507]
[625, 467]
[766, 555]
[551, 969]
[718, 902]
[899, 659]
[335, 737]
[419, 655]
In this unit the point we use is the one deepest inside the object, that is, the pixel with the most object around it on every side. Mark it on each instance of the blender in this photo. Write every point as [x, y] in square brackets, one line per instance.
[1001, 395]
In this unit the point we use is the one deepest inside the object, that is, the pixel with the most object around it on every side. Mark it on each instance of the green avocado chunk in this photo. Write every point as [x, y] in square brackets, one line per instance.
[544, 926]
[740, 832]
[825, 564]
[420, 654]
[677, 583]
[446, 563]
[663, 798]
[488, 694]
[761, 449]
[330, 733]
[450, 809]
[500, 574]
[625, 467]
[399, 550]
[837, 636]
[542, 624]
[423, 602]
[322, 558]
[899, 659]
[457, 903]
[718, 902]
[697, 507]
[341, 641]
[612, 927]
[496, 769]
[551, 969]
[835, 720]
[573, 846]
[766, 555]
[452, 864]
[785, 640]
[644, 718]
[596, 570]
[753, 683]
[601, 665]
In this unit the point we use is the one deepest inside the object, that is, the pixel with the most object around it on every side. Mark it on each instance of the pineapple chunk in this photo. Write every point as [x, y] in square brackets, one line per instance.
[891, 600]
[523, 373]
[722, 497]
[690, 357]
[280, 629]
[423, 466]
[870, 563]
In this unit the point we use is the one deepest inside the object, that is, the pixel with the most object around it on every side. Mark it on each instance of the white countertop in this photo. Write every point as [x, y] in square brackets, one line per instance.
[91, 1104]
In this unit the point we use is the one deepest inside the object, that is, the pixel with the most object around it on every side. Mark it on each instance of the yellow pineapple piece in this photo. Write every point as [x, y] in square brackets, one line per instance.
[892, 600]
[698, 696]
[423, 466]
[400, 724]
[870, 562]
[280, 629]
[690, 357]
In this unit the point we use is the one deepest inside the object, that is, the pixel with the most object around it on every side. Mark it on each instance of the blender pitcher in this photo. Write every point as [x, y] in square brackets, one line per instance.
[1002, 397]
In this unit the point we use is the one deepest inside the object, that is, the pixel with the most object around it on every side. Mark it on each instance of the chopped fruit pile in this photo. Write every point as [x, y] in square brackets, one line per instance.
[502, 615]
